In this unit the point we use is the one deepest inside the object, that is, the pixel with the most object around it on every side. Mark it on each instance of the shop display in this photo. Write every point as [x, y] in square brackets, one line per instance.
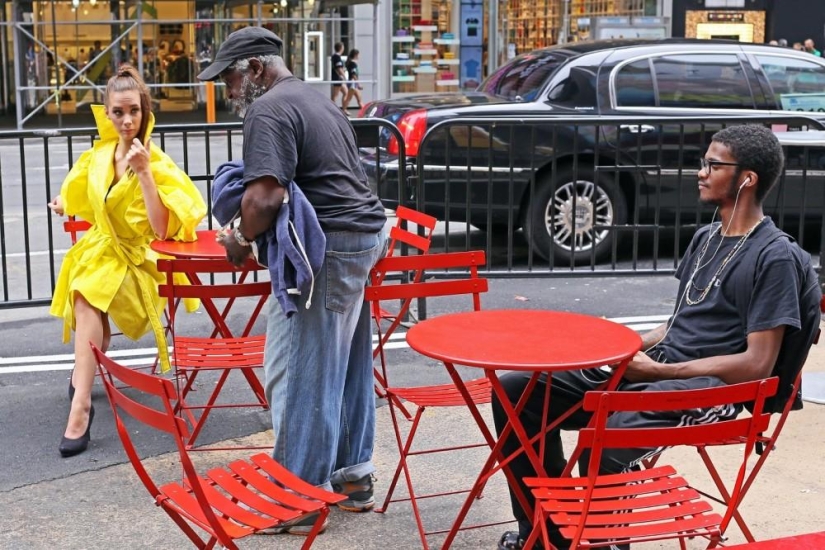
[424, 48]
[533, 24]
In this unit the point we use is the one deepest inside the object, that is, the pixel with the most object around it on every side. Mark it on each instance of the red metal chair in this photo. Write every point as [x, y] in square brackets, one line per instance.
[424, 397]
[223, 351]
[800, 342]
[651, 504]
[404, 239]
[229, 502]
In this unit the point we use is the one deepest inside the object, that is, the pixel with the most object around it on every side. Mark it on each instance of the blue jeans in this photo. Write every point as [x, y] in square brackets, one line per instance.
[318, 366]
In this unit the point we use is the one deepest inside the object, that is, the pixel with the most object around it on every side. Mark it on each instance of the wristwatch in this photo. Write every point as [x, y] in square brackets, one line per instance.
[240, 238]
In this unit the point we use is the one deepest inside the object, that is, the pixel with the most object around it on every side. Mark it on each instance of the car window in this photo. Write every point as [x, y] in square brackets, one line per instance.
[709, 81]
[634, 85]
[797, 84]
[574, 88]
[522, 77]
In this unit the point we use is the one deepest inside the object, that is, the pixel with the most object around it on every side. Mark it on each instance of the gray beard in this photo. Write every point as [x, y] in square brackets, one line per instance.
[250, 91]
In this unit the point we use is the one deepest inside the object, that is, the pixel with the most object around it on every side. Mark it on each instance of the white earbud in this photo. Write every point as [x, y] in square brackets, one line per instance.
[744, 183]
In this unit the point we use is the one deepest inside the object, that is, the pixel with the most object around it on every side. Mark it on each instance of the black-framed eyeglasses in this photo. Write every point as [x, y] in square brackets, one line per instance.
[705, 164]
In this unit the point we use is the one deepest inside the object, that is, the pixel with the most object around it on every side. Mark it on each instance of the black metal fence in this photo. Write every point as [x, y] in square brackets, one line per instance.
[33, 165]
[575, 196]
[544, 197]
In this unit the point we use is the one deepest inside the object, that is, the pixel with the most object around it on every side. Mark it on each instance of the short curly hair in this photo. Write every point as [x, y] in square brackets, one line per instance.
[755, 148]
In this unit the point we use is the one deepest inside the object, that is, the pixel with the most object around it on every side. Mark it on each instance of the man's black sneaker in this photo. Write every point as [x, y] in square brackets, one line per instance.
[359, 494]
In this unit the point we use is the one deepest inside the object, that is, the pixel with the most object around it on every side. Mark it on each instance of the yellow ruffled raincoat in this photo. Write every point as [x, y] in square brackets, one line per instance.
[112, 265]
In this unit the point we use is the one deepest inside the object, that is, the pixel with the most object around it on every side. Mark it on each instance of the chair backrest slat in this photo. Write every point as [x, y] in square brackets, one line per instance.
[402, 291]
[606, 403]
[620, 438]
[420, 242]
[160, 388]
[678, 400]
[446, 260]
[216, 290]
[403, 234]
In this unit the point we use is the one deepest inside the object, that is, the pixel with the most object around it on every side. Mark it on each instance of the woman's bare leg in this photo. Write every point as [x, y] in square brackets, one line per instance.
[107, 332]
[347, 98]
[88, 328]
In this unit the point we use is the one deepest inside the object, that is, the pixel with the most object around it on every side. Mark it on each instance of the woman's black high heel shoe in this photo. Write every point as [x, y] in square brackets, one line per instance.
[71, 387]
[70, 447]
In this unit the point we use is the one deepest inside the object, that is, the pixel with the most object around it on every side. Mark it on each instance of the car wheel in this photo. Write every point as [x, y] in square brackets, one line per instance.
[554, 225]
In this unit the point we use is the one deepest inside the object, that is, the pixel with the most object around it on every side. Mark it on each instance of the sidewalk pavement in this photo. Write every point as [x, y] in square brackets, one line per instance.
[109, 508]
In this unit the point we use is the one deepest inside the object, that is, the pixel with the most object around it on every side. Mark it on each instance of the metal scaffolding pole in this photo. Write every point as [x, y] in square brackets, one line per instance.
[564, 32]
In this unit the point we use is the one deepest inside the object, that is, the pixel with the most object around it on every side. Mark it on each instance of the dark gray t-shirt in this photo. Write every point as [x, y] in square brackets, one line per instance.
[720, 324]
[293, 133]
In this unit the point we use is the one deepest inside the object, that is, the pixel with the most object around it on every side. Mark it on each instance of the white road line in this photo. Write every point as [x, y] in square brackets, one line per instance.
[35, 253]
[145, 356]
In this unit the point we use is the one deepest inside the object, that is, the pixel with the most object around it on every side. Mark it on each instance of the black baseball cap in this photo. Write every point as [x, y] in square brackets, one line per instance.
[242, 44]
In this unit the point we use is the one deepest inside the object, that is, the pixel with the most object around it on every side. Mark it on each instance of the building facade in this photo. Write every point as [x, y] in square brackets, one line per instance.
[57, 55]
[756, 21]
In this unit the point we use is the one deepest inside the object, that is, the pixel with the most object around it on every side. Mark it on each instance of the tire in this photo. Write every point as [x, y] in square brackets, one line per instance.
[553, 205]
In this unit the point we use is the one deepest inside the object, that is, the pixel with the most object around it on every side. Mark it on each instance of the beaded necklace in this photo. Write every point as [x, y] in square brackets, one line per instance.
[703, 292]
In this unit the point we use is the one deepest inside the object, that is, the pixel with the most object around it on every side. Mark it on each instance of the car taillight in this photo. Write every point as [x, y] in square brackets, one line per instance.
[362, 112]
[413, 126]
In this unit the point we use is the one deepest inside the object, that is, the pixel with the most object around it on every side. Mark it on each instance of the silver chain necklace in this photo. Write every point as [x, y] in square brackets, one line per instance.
[703, 292]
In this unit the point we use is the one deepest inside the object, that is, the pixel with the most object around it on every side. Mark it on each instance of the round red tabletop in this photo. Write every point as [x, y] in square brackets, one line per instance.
[204, 247]
[523, 340]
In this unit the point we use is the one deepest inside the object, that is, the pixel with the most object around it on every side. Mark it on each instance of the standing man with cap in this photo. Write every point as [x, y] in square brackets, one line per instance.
[318, 361]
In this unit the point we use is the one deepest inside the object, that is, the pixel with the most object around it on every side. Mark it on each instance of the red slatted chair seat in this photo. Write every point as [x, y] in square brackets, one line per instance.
[446, 395]
[229, 502]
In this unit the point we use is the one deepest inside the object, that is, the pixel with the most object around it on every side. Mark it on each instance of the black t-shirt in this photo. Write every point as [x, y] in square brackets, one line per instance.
[337, 63]
[352, 69]
[293, 133]
[734, 305]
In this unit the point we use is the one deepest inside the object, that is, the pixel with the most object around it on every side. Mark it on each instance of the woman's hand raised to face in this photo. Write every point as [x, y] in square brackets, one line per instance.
[138, 156]
[56, 205]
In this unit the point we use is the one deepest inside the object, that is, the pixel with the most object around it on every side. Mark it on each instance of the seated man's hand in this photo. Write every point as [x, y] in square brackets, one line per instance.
[641, 368]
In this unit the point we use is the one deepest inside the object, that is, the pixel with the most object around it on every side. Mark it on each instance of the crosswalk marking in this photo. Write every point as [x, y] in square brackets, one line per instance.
[146, 356]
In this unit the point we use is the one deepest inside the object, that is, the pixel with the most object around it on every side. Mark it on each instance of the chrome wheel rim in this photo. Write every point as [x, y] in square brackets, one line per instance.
[572, 229]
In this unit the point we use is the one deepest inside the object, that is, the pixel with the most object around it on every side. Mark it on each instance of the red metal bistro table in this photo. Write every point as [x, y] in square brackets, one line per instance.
[536, 341]
[206, 247]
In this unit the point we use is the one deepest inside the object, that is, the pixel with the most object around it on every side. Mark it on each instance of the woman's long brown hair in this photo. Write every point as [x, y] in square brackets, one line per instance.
[125, 80]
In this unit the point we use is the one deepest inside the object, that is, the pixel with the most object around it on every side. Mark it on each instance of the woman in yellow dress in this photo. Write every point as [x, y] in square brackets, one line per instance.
[132, 193]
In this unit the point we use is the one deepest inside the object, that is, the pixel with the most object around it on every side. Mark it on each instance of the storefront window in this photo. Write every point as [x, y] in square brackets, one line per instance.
[69, 48]
[427, 45]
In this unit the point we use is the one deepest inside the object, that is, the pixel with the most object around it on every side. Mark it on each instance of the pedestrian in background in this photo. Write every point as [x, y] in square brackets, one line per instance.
[318, 358]
[811, 48]
[353, 87]
[132, 193]
[338, 75]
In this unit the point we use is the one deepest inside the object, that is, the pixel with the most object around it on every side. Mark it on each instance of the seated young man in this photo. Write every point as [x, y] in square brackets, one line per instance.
[741, 284]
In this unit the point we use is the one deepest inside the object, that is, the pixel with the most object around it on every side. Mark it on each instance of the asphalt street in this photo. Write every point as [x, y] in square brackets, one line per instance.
[34, 368]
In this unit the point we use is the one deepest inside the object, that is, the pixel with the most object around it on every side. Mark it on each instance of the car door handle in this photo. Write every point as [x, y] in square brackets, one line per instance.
[638, 128]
